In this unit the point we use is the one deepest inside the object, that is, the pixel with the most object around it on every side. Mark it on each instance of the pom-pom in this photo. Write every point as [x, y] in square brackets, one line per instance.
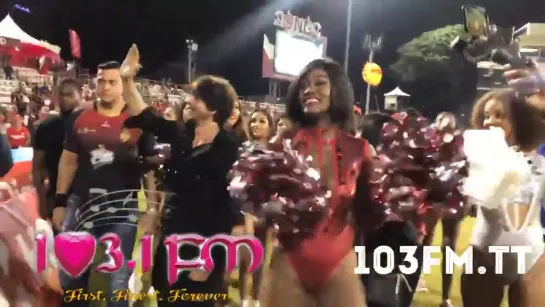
[417, 166]
[276, 184]
[493, 178]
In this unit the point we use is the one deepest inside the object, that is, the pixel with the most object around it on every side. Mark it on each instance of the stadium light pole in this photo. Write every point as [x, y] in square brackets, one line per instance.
[192, 48]
[348, 29]
[372, 46]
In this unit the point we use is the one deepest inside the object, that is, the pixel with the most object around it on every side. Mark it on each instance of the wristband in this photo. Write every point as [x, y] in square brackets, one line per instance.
[61, 200]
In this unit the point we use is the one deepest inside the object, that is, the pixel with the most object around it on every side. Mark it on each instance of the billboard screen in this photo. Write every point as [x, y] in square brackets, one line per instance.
[292, 43]
[293, 53]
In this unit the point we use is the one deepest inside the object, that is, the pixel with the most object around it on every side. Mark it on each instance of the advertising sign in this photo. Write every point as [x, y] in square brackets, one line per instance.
[291, 44]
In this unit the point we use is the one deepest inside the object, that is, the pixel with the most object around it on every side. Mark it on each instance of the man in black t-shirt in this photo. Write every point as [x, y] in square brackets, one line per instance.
[48, 146]
[6, 159]
[100, 166]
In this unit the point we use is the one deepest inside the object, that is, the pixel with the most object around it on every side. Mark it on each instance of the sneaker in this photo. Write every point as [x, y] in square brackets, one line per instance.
[421, 287]
[446, 303]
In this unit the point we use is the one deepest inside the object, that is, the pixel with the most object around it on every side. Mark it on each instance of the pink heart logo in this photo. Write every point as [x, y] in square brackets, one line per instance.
[75, 251]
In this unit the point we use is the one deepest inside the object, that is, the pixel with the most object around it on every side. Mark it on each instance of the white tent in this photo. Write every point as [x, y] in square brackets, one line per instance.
[9, 29]
[391, 99]
[397, 92]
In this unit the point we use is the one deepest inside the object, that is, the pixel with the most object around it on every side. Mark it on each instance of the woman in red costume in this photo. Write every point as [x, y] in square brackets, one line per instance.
[319, 270]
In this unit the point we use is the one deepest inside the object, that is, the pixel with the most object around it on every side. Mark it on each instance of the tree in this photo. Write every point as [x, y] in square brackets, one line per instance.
[431, 69]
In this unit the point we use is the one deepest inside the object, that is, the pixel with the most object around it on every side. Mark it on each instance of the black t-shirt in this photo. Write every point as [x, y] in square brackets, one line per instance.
[49, 138]
[108, 153]
[6, 159]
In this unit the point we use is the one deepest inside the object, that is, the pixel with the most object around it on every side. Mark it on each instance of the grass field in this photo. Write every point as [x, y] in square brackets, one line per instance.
[432, 298]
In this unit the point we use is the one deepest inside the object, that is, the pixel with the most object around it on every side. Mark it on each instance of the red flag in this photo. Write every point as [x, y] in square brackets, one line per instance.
[75, 44]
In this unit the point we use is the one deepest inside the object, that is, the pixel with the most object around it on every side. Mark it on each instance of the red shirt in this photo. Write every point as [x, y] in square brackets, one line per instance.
[18, 137]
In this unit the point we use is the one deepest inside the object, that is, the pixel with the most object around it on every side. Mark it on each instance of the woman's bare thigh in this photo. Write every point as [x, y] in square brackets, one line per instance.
[343, 288]
[532, 285]
[282, 287]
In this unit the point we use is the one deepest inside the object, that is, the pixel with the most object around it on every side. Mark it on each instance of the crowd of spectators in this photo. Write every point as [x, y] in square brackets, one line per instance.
[31, 102]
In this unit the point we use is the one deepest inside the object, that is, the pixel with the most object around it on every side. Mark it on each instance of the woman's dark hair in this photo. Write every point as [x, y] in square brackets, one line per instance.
[239, 127]
[371, 127]
[279, 118]
[272, 126]
[526, 120]
[218, 95]
[412, 112]
[341, 109]
[287, 134]
[179, 109]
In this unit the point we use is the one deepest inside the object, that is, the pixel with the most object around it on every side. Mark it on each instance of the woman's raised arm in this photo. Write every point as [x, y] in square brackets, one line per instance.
[143, 117]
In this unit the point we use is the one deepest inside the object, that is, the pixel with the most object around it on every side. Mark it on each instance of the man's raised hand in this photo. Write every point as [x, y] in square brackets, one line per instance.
[131, 65]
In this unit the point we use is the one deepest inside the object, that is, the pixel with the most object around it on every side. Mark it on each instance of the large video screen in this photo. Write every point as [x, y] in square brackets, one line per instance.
[285, 53]
[292, 53]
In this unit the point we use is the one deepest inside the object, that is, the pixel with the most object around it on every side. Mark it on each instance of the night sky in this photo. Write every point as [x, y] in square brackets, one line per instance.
[230, 32]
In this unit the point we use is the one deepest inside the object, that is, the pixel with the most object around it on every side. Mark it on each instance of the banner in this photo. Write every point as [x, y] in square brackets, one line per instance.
[8, 42]
[75, 44]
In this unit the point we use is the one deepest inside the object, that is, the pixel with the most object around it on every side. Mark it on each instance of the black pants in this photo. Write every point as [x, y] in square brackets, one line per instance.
[382, 288]
[179, 293]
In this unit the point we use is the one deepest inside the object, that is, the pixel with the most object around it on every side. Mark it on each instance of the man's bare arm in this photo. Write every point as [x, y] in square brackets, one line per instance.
[153, 195]
[68, 166]
[39, 174]
[135, 103]
[129, 70]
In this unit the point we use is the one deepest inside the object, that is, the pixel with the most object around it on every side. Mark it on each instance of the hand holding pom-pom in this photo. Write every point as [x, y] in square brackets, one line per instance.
[275, 183]
[416, 165]
[492, 178]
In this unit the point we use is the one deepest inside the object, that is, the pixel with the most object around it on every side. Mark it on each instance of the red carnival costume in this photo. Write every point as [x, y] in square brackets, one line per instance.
[20, 284]
[315, 228]
[334, 234]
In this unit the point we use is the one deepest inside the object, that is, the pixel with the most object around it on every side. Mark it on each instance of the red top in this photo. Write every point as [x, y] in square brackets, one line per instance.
[317, 257]
[18, 137]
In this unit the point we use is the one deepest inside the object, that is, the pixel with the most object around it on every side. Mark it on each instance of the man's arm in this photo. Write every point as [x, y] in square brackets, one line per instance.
[6, 159]
[135, 103]
[39, 174]
[28, 138]
[68, 166]
[153, 195]
[129, 69]
[146, 149]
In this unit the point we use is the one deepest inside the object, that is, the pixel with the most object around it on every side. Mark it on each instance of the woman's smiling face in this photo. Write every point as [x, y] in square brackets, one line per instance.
[260, 126]
[495, 115]
[315, 92]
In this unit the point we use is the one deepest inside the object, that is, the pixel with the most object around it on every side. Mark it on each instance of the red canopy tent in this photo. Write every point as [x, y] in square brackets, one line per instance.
[25, 50]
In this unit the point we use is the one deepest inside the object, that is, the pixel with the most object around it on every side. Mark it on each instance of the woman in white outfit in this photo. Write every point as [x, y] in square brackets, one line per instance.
[515, 220]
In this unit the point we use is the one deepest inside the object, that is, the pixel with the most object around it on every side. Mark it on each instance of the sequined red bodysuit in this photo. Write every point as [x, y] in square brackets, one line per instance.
[339, 158]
